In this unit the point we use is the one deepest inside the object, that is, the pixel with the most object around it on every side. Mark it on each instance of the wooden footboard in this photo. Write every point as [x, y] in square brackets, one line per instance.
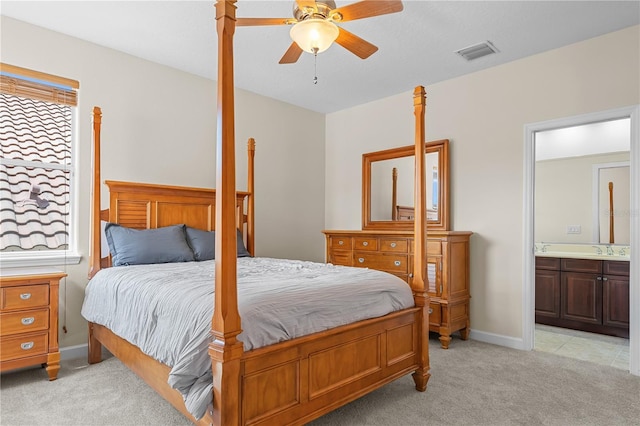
[296, 381]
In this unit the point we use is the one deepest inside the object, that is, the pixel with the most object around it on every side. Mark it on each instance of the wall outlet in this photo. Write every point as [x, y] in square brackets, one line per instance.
[574, 229]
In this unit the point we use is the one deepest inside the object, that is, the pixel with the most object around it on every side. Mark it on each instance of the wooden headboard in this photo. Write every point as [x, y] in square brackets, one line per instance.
[148, 206]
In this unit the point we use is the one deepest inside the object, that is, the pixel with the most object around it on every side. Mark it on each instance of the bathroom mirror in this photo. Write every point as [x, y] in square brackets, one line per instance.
[582, 184]
[388, 184]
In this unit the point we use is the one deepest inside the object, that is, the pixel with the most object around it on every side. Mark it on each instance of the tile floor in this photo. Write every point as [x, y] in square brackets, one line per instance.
[598, 348]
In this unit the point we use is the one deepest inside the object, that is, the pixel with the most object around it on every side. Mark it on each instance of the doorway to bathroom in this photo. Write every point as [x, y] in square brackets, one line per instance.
[579, 215]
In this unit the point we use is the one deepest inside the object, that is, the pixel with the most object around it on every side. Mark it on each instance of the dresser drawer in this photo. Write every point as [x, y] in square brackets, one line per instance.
[344, 258]
[365, 244]
[24, 297]
[341, 243]
[22, 346]
[24, 322]
[395, 245]
[434, 248]
[383, 262]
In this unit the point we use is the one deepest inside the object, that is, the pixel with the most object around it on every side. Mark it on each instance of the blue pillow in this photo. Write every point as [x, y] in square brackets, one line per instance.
[242, 250]
[203, 244]
[138, 247]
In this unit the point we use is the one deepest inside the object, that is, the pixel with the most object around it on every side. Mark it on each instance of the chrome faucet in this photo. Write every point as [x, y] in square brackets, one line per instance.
[544, 248]
[598, 249]
[609, 251]
[623, 251]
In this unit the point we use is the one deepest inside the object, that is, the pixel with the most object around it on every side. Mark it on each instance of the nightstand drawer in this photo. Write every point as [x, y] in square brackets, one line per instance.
[23, 346]
[382, 262]
[24, 322]
[24, 297]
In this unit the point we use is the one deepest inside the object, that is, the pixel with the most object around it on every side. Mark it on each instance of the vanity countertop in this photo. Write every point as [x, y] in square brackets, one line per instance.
[583, 251]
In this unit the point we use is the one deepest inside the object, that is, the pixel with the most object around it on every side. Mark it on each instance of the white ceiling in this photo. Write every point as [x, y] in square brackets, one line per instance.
[416, 46]
[585, 139]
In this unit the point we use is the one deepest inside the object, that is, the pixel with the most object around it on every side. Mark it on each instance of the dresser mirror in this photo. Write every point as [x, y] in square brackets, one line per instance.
[388, 182]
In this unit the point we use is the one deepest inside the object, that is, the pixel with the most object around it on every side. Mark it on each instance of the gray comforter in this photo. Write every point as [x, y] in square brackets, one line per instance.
[166, 309]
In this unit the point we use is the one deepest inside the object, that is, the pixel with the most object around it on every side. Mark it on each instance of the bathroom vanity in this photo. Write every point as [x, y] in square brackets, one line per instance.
[583, 288]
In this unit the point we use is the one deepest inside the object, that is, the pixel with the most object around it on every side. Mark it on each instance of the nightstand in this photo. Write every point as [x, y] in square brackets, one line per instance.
[29, 318]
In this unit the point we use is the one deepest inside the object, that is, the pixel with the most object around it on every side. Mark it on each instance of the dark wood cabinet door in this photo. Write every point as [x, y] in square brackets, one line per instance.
[547, 293]
[581, 297]
[615, 292]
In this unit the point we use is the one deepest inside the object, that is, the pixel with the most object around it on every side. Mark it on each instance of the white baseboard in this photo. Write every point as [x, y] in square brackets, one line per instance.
[73, 352]
[497, 339]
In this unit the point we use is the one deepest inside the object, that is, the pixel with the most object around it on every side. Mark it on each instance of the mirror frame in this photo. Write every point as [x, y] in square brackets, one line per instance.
[442, 223]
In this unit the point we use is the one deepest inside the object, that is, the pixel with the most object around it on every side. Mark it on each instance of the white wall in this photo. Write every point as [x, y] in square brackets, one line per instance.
[484, 114]
[564, 196]
[159, 126]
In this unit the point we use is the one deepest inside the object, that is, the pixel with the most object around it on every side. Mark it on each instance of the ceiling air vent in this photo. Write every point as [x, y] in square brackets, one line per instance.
[477, 51]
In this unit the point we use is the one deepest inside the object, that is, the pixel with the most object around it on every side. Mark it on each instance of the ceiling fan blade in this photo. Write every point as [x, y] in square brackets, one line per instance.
[249, 22]
[367, 9]
[355, 44]
[292, 54]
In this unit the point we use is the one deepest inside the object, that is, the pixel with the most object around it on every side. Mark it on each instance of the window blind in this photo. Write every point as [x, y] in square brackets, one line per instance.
[37, 85]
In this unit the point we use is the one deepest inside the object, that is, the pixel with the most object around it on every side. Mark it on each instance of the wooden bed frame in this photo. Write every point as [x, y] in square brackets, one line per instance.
[292, 382]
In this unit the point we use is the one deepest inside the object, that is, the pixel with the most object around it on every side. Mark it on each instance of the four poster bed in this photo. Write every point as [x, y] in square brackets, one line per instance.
[285, 381]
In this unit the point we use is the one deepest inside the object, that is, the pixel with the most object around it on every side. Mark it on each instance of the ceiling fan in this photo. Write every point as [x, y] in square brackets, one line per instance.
[314, 28]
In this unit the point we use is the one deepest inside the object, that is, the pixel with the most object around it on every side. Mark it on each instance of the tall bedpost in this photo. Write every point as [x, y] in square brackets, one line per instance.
[394, 194]
[420, 279]
[95, 252]
[225, 350]
[251, 151]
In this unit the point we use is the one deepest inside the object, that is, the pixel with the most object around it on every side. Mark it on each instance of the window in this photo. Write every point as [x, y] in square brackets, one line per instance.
[36, 168]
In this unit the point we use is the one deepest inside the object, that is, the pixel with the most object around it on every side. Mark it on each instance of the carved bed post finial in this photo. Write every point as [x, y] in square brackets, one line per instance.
[225, 349]
[420, 280]
[95, 251]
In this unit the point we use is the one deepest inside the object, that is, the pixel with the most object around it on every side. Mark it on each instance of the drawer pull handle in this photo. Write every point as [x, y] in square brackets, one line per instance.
[430, 311]
[26, 346]
[340, 243]
[397, 263]
[25, 296]
[366, 243]
[27, 320]
[393, 245]
[361, 259]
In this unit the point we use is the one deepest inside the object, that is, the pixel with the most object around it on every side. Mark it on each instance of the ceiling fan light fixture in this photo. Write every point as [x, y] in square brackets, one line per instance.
[314, 35]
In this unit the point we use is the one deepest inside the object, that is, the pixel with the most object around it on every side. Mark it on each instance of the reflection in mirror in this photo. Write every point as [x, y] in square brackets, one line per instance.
[582, 184]
[388, 182]
[393, 180]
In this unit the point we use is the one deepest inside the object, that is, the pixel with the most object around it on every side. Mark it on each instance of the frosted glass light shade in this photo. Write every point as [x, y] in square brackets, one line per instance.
[314, 34]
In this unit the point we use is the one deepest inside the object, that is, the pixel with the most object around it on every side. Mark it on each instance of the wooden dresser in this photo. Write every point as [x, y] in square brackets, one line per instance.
[392, 251]
[29, 318]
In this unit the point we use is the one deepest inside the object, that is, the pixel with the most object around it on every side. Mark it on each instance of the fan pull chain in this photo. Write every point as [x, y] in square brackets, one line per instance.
[315, 65]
